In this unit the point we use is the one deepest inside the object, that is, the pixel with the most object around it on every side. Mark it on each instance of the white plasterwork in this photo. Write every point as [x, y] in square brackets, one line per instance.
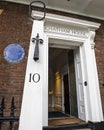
[66, 25]
[92, 36]
[67, 20]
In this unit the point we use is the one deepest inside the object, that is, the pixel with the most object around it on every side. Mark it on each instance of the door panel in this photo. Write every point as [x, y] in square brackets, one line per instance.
[66, 94]
[73, 96]
[79, 85]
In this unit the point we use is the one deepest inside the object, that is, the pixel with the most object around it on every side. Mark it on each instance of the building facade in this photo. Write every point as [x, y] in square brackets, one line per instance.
[77, 43]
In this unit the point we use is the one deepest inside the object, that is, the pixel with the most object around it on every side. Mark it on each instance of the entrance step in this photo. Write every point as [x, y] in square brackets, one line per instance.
[83, 126]
[64, 121]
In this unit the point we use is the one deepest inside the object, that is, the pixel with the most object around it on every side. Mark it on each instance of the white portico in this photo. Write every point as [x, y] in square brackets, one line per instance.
[61, 32]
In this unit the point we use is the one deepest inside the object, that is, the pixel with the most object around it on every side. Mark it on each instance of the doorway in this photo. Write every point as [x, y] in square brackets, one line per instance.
[62, 95]
[64, 32]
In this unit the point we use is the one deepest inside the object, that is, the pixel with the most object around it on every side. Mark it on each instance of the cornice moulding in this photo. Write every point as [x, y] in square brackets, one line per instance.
[67, 20]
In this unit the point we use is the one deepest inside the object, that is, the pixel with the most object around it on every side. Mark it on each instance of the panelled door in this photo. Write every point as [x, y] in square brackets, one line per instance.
[79, 85]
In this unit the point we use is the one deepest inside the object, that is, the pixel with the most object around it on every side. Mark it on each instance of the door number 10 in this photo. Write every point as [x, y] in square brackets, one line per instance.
[34, 77]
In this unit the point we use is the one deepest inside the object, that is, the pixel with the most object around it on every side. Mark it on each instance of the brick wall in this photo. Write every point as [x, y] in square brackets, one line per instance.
[99, 51]
[15, 27]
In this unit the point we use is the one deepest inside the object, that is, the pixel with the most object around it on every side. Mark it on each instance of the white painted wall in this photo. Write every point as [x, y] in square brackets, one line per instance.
[31, 111]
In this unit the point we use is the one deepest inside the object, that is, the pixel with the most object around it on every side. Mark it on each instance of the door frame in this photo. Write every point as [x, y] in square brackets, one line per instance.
[82, 45]
[74, 48]
[66, 43]
[81, 36]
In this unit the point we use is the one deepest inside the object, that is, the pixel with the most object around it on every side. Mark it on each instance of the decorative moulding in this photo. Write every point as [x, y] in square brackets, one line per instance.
[65, 25]
[67, 20]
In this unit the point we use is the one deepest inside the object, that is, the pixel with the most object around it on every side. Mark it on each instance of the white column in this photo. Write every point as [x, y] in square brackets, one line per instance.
[93, 92]
[31, 111]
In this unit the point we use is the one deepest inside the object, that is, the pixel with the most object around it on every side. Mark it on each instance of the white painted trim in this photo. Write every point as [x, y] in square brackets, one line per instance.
[81, 40]
[31, 110]
[88, 108]
[67, 20]
[93, 92]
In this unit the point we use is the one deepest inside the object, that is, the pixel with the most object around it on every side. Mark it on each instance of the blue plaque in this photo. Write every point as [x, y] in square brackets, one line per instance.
[14, 53]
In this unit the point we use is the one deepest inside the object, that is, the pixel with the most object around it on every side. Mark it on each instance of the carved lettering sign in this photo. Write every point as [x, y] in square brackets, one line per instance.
[68, 30]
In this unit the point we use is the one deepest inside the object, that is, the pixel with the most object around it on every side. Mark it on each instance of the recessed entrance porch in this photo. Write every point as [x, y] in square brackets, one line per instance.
[62, 92]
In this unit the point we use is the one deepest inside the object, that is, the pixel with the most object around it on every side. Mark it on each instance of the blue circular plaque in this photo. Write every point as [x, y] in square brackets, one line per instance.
[14, 53]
